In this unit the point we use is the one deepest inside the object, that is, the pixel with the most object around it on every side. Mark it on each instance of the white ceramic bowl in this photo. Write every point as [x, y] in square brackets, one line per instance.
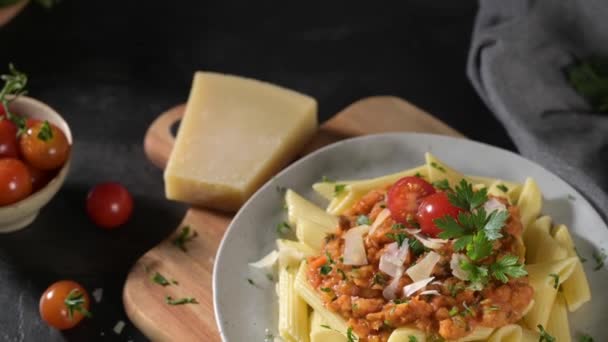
[18, 215]
[243, 312]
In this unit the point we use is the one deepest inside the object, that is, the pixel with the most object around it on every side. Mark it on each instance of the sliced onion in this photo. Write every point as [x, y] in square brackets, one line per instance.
[389, 291]
[424, 268]
[393, 258]
[494, 204]
[430, 242]
[430, 292]
[457, 271]
[382, 216]
[354, 249]
[412, 288]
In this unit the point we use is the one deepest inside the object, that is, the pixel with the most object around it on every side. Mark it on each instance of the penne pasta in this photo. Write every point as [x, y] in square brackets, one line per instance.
[540, 245]
[293, 311]
[545, 278]
[576, 288]
[407, 334]
[438, 170]
[528, 335]
[298, 207]
[530, 202]
[508, 333]
[321, 331]
[307, 293]
[312, 234]
[293, 252]
[557, 325]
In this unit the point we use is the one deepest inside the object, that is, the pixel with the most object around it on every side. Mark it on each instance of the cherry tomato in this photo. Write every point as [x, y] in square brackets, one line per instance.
[433, 207]
[9, 146]
[15, 181]
[64, 304]
[109, 205]
[405, 195]
[44, 146]
[39, 177]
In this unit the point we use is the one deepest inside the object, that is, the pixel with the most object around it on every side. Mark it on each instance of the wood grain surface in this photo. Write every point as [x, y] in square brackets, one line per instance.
[144, 300]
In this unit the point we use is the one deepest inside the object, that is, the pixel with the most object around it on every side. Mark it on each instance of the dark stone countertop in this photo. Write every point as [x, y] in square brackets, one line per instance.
[109, 67]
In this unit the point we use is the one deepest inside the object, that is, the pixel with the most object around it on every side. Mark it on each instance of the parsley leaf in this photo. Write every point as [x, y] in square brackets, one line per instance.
[180, 301]
[453, 311]
[477, 274]
[324, 179]
[325, 326]
[412, 338]
[494, 224]
[378, 279]
[544, 335]
[338, 188]
[465, 198]
[585, 338]
[502, 188]
[416, 246]
[442, 185]
[184, 236]
[507, 266]
[450, 228]
[160, 279]
[398, 237]
[350, 336]
[283, 228]
[325, 269]
[250, 281]
[363, 220]
[599, 258]
[473, 221]
[479, 247]
[438, 167]
[583, 259]
[555, 279]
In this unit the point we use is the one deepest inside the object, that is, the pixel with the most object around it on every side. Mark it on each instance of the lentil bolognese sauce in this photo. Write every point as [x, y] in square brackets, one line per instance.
[442, 259]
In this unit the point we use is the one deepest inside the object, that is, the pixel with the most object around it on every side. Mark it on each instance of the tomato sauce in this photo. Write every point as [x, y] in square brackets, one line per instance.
[355, 292]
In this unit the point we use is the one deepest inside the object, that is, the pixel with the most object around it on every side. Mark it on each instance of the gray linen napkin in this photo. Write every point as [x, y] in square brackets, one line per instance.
[516, 63]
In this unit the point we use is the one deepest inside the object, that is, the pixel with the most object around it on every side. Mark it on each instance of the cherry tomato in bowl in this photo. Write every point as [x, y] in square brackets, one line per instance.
[433, 207]
[64, 304]
[404, 197]
[9, 145]
[109, 205]
[44, 146]
[15, 181]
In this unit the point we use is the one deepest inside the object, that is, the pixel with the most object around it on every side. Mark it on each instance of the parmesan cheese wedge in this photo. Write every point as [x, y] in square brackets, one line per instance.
[235, 134]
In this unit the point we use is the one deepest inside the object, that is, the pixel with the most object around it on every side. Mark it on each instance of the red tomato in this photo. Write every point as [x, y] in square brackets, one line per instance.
[9, 146]
[44, 146]
[433, 207]
[405, 195]
[109, 205]
[15, 181]
[64, 304]
[39, 177]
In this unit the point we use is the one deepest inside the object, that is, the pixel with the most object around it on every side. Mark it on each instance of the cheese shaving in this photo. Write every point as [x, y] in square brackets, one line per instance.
[424, 267]
[410, 289]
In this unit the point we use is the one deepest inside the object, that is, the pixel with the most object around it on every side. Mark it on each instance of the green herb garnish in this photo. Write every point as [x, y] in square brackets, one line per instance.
[338, 188]
[363, 220]
[325, 289]
[186, 235]
[180, 301]
[438, 167]
[465, 198]
[509, 266]
[599, 257]
[555, 279]
[416, 246]
[75, 301]
[350, 336]
[412, 338]
[453, 311]
[442, 185]
[325, 326]
[283, 228]
[342, 274]
[398, 237]
[585, 338]
[324, 179]
[250, 281]
[502, 187]
[544, 335]
[325, 269]
[583, 259]
[378, 279]
[160, 279]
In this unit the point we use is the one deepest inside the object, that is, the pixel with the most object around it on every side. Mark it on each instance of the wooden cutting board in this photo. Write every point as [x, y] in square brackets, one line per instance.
[144, 300]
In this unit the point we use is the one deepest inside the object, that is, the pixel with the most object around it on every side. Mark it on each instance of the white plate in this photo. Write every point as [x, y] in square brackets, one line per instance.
[243, 312]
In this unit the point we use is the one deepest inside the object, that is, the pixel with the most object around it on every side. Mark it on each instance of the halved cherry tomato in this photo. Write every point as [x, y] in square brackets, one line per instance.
[9, 145]
[44, 146]
[109, 205]
[64, 304]
[433, 207]
[15, 181]
[404, 197]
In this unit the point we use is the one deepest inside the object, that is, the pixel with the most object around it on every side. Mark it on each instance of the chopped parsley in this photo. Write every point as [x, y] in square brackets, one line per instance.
[599, 258]
[342, 274]
[400, 301]
[453, 311]
[455, 289]
[180, 301]
[325, 289]
[354, 307]
[325, 326]
[442, 185]
[398, 237]
[555, 279]
[325, 179]
[160, 279]
[329, 259]
[350, 336]
[583, 259]
[502, 187]
[509, 266]
[269, 277]
[281, 189]
[419, 175]
[477, 274]
[585, 338]
[46, 132]
[544, 335]
[325, 269]
[378, 279]
[438, 167]
[250, 281]
[338, 188]
[283, 228]
[397, 226]
[363, 220]
[467, 310]
[412, 338]
[186, 235]
[416, 246]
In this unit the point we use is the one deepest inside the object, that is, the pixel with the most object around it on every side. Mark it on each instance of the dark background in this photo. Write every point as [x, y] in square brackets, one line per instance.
[110, 67]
